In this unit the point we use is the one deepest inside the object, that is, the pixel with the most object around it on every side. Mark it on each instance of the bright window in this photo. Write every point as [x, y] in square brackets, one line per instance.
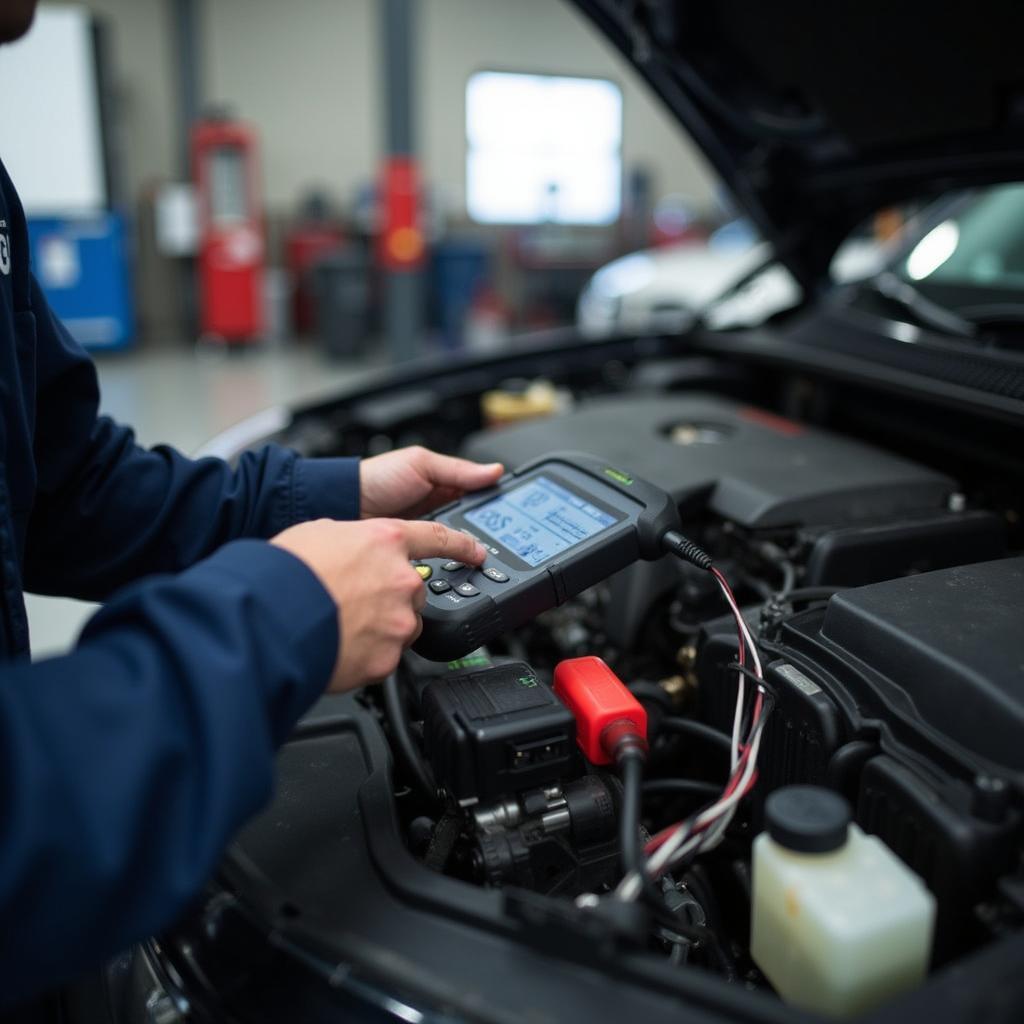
[543, 148]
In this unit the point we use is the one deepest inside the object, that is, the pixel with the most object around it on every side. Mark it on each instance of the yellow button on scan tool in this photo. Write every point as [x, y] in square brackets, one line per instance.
[425, 571]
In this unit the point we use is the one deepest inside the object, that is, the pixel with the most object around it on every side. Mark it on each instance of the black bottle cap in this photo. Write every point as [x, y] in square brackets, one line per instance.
[807, 819]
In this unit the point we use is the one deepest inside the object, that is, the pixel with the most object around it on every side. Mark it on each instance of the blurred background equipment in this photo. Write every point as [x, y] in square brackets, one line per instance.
[58, 149]
[231, 252]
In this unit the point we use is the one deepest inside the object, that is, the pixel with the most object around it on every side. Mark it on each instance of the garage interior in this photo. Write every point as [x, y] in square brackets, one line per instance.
[603, 600]
[310, 86]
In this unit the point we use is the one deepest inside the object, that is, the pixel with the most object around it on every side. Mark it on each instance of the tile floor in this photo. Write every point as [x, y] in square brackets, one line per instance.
[182, 395]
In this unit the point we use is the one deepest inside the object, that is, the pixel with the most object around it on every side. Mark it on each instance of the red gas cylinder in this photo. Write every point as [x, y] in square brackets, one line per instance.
[232, 249]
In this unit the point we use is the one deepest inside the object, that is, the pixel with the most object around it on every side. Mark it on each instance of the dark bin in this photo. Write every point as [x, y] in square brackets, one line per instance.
[342, 291]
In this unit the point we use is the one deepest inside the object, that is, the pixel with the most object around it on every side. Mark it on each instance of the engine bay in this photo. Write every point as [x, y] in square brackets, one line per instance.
[882, 597]
[867, 689]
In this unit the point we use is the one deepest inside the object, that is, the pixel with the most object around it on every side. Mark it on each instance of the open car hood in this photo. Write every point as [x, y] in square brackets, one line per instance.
[818, 114]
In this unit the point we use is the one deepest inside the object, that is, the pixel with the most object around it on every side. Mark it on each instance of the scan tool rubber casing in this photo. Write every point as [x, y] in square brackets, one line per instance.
[454, 625]
[496, 732]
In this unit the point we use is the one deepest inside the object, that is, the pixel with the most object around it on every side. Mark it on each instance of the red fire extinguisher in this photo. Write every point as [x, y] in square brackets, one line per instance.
[231, 251]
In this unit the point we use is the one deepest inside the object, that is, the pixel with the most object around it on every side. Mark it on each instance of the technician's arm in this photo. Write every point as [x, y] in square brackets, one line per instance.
[107, 511]
[126, 765]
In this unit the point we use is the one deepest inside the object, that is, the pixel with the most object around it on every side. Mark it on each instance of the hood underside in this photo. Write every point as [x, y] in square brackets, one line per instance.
[818, 114]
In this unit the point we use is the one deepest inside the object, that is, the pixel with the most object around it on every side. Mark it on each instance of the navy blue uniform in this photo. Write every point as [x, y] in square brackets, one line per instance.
[126, 765]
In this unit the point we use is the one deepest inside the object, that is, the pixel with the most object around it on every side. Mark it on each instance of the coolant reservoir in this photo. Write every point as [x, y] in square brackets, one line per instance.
[840, 923]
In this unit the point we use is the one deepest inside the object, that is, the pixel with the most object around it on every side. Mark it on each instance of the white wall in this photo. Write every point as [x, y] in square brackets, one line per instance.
[308, 74]
[544, 36]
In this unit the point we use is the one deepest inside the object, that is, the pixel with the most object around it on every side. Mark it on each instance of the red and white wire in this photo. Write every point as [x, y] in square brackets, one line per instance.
[707, 830]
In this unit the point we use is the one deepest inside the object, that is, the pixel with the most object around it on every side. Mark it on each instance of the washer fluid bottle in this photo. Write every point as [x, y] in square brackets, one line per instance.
[839, 923]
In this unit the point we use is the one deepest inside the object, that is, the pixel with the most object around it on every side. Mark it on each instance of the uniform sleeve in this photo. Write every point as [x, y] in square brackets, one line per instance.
[128, 764]
[107, 511]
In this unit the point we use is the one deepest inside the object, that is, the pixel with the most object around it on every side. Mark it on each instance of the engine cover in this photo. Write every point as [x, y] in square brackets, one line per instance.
[952, 643]
[744, 464]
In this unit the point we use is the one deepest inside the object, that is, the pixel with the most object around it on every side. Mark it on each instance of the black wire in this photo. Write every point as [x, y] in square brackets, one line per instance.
[697, 731]
[631, 850]
[681, 787]
[749, 673]
[701, 935]
[403, 741]
[777, 558]
[701, 890]
[650, 692]
[683, 860]
[788, 578]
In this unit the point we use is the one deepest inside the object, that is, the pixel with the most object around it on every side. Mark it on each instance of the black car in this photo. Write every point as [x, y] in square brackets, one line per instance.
[855, 468]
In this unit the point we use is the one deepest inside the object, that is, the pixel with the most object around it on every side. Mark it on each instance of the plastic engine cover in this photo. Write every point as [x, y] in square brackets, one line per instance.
[748, 465]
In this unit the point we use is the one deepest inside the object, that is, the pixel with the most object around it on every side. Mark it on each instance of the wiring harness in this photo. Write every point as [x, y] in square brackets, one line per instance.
[678, 844]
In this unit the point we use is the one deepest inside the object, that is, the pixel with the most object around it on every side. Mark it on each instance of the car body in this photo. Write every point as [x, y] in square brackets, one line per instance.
[665, 288]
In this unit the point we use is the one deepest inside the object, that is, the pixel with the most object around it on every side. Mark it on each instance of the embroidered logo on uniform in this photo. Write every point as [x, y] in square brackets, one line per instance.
[5, 252]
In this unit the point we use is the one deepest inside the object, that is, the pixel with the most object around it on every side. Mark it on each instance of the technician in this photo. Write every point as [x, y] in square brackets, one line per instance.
[127, 765]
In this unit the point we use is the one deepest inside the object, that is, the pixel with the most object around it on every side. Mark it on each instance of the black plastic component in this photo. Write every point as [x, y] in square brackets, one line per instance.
[743, 463]
[907, 697]
[320, 913]
[953, 643]
[601, 928]
[807, 819]
[554, 852]
[497, 731]
[481, 607]
[806, 727]
[852, 556]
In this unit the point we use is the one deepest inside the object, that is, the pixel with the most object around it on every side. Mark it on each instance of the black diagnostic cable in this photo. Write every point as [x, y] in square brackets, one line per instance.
[631, 769]
[413, 760]
[682, 547]
[630, 760]
[626, 745]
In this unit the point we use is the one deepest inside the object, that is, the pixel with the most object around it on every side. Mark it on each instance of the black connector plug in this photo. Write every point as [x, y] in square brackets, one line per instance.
[678, 545]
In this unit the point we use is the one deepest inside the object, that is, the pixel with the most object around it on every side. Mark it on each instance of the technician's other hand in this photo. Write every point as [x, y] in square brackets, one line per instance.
[366, 568]
[409, 482]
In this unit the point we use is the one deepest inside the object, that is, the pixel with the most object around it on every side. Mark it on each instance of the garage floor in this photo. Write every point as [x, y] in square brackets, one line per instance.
[184, 396]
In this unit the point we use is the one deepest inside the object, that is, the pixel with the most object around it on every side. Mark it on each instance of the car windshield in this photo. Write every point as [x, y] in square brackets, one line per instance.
[972, 260]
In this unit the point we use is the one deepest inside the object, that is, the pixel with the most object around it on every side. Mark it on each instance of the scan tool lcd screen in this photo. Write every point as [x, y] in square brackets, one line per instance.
[539, 520]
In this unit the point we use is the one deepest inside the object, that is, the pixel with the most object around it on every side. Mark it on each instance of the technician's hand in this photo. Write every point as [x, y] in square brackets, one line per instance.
[411, 481]
[366, 567]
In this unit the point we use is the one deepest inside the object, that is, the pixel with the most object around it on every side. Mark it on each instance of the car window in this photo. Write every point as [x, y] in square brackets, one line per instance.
[972, 259]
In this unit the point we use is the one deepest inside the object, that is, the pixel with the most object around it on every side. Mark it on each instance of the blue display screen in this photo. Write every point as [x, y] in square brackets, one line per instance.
[539, 519]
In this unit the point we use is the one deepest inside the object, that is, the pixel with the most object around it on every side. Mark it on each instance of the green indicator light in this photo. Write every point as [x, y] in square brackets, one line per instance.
[527, 682]
[618, 476]
[473, 661]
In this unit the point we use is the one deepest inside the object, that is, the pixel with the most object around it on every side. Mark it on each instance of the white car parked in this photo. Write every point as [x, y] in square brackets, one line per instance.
[663, 289]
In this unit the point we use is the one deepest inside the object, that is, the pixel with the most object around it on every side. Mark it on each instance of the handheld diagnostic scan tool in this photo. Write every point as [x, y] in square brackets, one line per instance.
[552, 528]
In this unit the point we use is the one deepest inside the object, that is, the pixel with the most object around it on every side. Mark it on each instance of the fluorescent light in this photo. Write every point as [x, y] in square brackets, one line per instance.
[933, 250]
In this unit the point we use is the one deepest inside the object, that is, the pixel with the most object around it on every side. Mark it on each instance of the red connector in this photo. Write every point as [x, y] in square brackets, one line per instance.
[609, 719]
